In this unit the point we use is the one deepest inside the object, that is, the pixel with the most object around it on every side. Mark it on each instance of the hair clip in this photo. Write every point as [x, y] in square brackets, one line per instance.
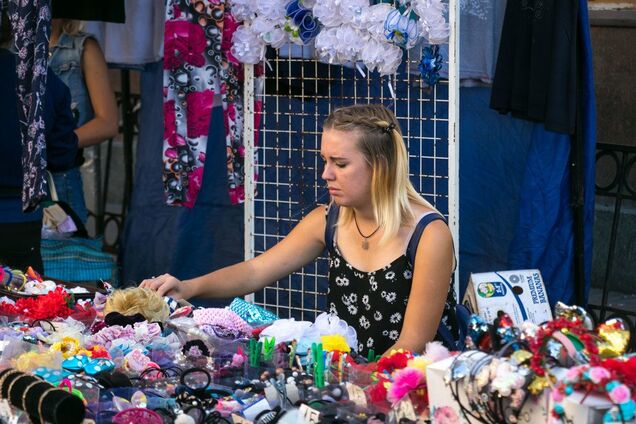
[152, 373]
[389, 128]
[195, 348]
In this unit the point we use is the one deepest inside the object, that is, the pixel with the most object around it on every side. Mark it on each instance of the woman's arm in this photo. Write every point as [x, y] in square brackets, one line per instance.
[431, 279]
[302, 245]
[104, 125]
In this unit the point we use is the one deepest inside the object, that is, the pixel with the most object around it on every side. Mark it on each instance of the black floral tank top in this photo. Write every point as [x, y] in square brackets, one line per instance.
[374, 302]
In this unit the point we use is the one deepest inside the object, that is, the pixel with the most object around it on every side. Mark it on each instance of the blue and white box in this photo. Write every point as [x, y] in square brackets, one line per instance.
[521, 294]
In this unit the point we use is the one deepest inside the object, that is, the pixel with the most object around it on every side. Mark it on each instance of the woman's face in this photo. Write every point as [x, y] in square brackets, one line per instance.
[347, 173]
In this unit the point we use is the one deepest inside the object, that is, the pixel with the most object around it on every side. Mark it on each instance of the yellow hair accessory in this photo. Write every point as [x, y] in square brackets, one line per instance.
[69, 346]
[138, 301]
[29, 361]
[335, 342]
[419, 362]
[86, 352]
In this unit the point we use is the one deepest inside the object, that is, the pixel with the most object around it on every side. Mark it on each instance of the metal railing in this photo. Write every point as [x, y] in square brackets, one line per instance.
[619, 188]
[128, 107]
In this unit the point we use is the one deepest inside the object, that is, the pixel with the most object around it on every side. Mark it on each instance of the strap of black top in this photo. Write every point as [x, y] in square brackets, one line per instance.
[330, 228]
[411, 250]
[461, 314]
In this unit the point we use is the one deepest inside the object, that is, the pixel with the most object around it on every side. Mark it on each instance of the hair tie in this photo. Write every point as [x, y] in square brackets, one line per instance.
[389, 128]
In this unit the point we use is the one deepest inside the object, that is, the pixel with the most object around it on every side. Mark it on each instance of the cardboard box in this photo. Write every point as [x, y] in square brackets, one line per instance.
[444, 408]
[519, 293]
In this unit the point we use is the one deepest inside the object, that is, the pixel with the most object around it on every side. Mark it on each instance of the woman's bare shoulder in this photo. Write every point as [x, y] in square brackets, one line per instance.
[419, 211]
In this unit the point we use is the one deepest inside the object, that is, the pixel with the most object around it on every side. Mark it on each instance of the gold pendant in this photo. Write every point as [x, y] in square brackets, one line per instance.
[365, 244]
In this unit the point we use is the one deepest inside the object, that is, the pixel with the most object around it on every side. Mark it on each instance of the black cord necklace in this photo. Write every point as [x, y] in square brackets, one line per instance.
[365, 239]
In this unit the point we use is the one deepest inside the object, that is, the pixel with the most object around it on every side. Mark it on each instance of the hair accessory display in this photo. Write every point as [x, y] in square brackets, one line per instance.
[195, 348]
[141, 333]
[137, 415]
[300, 23]
[54, 304]
[68, 346]
[40, 400]
[224, 318]
[33, 359]
[136, 300]
[430, 65]
[570, 331]
[254, 315]
[594, 379]
[344, 32]
[197, 370]
[115, 318]
[401, 30]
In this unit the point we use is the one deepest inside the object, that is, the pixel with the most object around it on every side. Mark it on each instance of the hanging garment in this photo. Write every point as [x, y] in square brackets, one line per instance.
[197, 65]
[555, 224]
[144, 24]
[535, 78]
[89, 10]
[31, 24]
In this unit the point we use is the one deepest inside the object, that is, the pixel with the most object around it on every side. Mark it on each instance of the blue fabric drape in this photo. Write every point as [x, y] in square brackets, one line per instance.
[493, 149]
[544, 233]
[588, 128]
[528, 220]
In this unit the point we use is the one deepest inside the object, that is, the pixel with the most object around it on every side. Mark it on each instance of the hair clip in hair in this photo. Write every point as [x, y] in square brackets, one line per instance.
[389, 128]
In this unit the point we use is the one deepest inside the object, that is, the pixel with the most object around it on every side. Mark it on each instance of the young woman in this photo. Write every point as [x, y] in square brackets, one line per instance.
[77, 59]
[372, 284]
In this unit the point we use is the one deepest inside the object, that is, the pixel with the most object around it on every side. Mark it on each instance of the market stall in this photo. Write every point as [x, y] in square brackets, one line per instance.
[129, 355]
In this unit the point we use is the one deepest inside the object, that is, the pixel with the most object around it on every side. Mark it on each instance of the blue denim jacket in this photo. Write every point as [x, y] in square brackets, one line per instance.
[66, 62]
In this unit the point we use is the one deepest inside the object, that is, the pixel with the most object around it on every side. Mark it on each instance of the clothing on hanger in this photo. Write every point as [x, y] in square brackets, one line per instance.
[198, 65]
[144, 23]
[31, 26]
[89, 10]
[535, 78]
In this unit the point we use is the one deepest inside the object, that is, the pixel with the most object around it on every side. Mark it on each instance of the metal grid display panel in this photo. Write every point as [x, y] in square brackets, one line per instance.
[299, 94]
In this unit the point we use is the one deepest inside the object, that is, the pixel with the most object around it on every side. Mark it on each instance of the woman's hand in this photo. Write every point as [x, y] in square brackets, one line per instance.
[167, 285]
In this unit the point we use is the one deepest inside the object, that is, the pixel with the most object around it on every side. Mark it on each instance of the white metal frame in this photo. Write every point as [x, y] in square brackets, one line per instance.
[452, 139]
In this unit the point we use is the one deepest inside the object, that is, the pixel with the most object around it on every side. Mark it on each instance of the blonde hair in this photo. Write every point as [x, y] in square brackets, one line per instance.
[379, 139]
[137, 300]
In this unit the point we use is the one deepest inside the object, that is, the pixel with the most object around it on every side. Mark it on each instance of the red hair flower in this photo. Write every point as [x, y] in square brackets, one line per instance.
[396, 360]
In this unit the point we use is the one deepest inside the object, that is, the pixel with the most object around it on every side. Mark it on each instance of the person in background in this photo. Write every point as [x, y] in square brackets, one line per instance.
[78, 61]
[21, 232]
[376, 212]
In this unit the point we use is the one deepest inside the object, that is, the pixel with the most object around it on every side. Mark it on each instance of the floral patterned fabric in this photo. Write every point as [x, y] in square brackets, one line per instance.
[31, 25]
[197, 65]
[374, 303]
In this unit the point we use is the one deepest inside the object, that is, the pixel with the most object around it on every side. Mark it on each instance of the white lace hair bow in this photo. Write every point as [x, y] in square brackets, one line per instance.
[247, 47]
